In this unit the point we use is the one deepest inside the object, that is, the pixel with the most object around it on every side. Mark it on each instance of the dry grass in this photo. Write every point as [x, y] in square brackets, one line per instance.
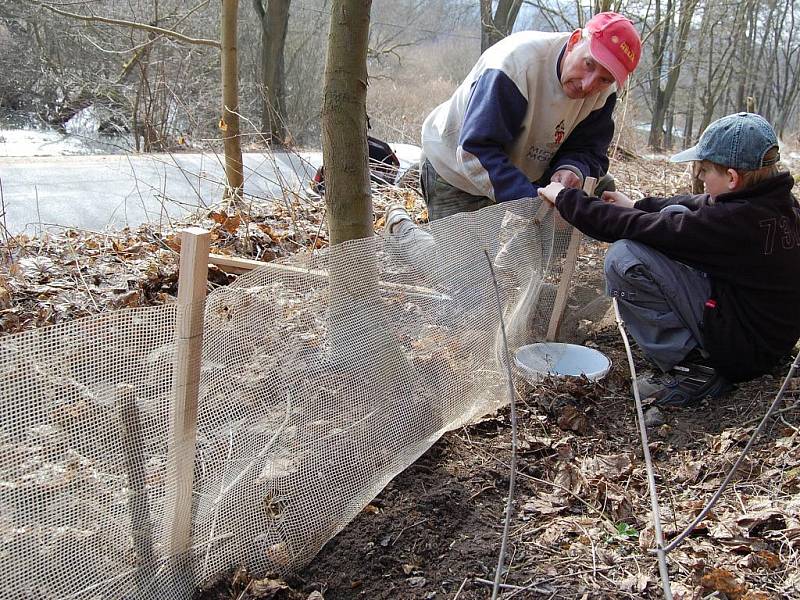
[397, 110]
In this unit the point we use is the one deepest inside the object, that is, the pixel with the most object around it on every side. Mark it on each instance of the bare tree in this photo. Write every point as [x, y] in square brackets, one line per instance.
[344, 123]
[404, 23]
[229, 124]
[748, 50]
[784, 85]
[494, 27]
[274, 19]
[688, 123]
[666, 67]
[719, 66]
[139, 76]
[149, 99]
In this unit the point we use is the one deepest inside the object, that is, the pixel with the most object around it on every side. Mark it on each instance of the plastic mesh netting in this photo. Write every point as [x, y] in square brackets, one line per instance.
[320, 381]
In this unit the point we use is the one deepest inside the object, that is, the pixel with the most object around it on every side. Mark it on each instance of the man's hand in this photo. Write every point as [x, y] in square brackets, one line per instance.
[566, 178]
[550, 192]
[618, 198]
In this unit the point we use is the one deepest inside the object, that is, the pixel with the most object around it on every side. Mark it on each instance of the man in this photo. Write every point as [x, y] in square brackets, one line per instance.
[536, 108]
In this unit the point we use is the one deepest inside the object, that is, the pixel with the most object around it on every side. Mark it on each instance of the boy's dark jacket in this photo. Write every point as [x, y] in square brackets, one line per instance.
[748, 241]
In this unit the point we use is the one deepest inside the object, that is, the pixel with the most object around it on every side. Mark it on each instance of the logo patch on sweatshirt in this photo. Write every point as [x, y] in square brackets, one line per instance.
[537, 154]
[558, 135]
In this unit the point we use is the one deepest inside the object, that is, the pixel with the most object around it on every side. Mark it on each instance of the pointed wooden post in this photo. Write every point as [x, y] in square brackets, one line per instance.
[566, 272]
[192, 282]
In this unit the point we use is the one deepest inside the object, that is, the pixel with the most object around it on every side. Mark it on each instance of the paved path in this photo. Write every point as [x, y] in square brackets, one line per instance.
[98, 192]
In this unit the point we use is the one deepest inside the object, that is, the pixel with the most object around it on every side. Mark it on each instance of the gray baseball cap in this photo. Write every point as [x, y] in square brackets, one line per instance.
[737, 141]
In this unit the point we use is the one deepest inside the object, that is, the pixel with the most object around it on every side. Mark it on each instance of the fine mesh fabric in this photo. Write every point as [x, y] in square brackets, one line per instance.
[320, 380]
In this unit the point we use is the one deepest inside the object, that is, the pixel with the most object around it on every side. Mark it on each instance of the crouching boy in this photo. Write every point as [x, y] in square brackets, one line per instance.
[708, 285]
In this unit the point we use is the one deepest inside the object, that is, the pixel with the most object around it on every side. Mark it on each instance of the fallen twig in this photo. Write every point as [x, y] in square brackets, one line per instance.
[651, 479]
[461, 587]
[404, 529]
[82, 278]
[506, 586]
[774, 414]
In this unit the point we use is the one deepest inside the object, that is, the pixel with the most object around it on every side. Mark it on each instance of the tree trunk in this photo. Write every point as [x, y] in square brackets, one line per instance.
[358, 322]
[344, 123]
[763, 44]
[495, 28]
[720, 66]
[687, 8]
[669, 124]
[658, 98]
[688, 126]
[229, 124]
[486, 24]
[354, 299]
[748, 52]
[274, 25]
[656, 138]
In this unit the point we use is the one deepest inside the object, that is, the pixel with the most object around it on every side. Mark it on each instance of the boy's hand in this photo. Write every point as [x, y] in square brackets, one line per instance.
[618, 198]
[550, 192]
[566, 178]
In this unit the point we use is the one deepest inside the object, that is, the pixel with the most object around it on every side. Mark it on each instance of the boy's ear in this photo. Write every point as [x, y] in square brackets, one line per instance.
[734, 179]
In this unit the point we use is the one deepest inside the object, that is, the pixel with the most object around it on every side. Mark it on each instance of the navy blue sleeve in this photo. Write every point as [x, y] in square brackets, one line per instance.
[586, 148]
[493, 118]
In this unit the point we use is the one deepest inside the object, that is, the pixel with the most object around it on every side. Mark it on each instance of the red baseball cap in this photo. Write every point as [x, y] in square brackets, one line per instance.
[614, 43]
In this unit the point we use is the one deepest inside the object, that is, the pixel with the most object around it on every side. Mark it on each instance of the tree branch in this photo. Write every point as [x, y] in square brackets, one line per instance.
[134, 25]
[259, 9]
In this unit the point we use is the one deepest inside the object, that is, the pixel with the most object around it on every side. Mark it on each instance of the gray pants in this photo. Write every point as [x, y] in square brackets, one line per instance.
[443, 199]
[417, 246]
[660, 300]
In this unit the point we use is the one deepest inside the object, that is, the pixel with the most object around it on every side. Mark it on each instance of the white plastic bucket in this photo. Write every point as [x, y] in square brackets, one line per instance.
[536, 361]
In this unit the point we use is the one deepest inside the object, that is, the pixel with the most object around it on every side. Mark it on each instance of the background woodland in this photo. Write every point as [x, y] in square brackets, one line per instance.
[152, 69]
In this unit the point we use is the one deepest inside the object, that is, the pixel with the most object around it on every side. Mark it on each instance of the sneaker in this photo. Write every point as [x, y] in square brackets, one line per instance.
[395, 214]
[685, 384]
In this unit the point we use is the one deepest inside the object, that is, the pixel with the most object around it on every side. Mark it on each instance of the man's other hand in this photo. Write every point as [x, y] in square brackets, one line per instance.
[550, 191]
[566, 178]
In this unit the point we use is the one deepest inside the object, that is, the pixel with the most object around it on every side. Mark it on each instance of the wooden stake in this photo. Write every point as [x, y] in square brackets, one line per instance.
[566, 272]
[192, 282]
[234, 264]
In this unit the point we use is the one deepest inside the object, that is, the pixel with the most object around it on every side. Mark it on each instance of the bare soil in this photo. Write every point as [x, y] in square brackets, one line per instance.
[581, 525]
